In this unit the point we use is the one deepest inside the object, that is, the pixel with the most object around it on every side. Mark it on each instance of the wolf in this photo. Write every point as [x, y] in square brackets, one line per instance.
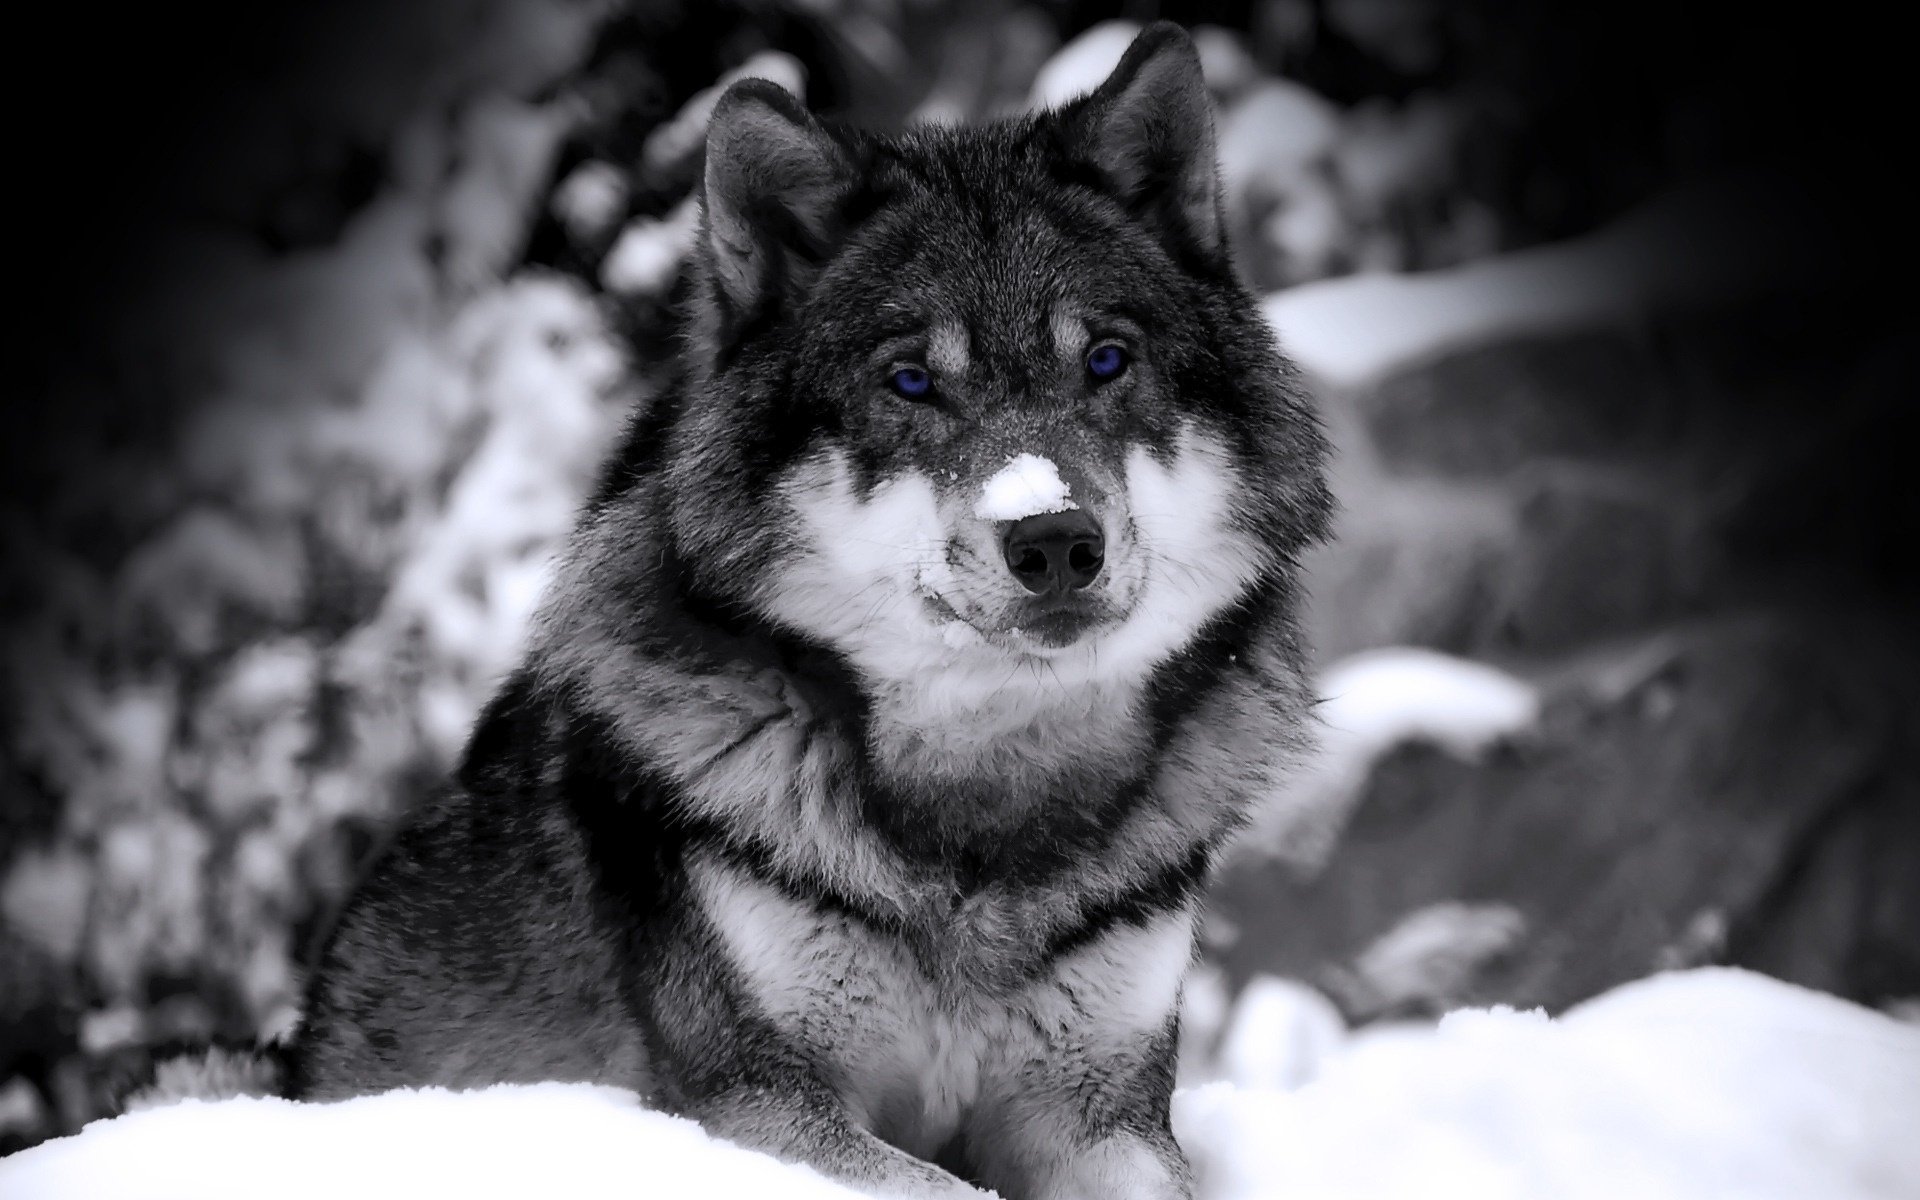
[920, 648]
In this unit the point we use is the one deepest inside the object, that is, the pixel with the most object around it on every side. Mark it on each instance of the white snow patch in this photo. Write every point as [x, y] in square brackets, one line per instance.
[646, 258]
[553, 1139]
[1691, 247]
[1083, 64]
[591, 198]
[1026, 487]
[1280, 1034]
[1707, 1083]
[1377, 699]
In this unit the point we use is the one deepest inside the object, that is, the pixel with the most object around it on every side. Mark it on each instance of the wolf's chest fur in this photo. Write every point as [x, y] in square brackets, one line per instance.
[911, 1051]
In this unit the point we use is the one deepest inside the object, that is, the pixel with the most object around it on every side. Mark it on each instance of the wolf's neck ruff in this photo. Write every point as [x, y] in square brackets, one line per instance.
[783, 741]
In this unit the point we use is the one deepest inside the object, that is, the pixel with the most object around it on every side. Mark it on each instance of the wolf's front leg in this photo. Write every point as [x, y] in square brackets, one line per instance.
[1091, 1126]
[1125, 1165]
[814, 1129]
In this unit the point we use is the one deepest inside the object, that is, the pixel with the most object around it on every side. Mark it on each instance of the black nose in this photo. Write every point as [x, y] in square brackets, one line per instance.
[1055, 553]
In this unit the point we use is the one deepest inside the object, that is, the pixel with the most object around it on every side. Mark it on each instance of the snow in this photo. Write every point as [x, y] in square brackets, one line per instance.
[1698, 1084]
[1690, 247]
[1026, 487]
[1083, 64]
[570, 1140]
[1281, 1034]
[1708, 1083]
[1371, 703]
[590, 198]
[1380, 698]
[646, 258]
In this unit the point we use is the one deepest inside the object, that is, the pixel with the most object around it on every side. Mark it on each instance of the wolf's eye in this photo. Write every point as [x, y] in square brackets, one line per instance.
[1105, 362]
[911, 382]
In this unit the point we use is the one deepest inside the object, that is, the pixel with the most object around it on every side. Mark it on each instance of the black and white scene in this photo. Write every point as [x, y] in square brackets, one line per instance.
[925, 599]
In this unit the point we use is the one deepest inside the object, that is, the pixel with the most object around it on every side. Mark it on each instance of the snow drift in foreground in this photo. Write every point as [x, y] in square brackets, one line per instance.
[1696, 1085]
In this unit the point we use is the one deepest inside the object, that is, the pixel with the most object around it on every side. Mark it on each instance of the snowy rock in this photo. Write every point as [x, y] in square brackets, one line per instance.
[1687, 773]
[1382, 698]
[1410, 562]
[1371, 703]
[1692, 247]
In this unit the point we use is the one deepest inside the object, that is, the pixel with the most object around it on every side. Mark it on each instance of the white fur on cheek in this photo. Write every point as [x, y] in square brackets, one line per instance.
[1197, 563]
[860, 563]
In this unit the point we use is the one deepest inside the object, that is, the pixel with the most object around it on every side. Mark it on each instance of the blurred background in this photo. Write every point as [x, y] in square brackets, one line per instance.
[326, 315]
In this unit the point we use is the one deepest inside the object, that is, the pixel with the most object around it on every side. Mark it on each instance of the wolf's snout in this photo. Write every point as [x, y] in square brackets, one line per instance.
[1055, 553]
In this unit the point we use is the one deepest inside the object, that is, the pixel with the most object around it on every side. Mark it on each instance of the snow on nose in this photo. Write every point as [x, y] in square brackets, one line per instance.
[1027, 486]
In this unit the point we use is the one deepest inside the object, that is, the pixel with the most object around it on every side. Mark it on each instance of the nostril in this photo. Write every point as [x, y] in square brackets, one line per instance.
[1055, 553]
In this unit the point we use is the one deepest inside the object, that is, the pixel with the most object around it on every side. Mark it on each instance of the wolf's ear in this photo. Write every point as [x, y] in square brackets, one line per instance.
[773, 180]
[1149, 130]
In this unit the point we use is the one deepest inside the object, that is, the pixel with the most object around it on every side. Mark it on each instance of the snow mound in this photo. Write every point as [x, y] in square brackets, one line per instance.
[1694, 1085]
[1689, 1086]
[1026, 487]
[550, 1139]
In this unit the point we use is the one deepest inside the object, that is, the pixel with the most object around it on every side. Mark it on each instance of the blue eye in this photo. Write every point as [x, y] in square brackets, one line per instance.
[911, 382]
[1104, 362]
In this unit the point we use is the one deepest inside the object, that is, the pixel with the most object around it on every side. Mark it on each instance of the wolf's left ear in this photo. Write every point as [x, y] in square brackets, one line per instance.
[774, 179]
[1149, 130]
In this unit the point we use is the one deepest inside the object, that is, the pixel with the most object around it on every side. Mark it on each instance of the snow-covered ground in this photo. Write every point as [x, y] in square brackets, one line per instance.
[1695, 1085]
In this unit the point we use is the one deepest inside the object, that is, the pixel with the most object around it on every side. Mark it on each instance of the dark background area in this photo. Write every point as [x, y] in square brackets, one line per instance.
[327, 314]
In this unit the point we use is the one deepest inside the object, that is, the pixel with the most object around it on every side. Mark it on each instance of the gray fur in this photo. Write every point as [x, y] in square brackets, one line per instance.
[801, 817]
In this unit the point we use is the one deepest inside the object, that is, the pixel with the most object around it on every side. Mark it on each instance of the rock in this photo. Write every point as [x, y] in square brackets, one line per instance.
[1644, 818]
[1596, 552]
[1488, 410]
[1411, 562]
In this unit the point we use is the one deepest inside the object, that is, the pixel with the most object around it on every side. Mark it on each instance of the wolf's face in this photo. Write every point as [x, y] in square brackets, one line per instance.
[987, 409]
[1001, 466]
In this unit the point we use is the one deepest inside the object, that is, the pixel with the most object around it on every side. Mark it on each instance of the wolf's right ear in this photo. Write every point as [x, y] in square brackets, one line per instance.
[1149, 130]
[774, 178]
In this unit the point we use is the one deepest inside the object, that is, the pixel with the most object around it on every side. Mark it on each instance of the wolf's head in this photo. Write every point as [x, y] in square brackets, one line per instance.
[985, 410]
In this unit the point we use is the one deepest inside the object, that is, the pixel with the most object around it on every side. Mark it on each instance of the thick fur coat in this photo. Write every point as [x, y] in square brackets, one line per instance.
[816, 811]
